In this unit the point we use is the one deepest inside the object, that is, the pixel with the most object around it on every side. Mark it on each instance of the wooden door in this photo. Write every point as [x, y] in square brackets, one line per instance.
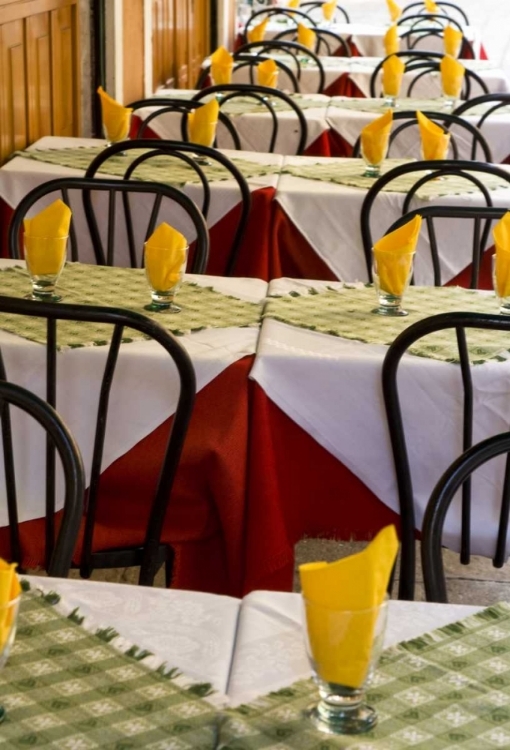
[163, 43]
[13, 88]
[183, 26]
[134, 52]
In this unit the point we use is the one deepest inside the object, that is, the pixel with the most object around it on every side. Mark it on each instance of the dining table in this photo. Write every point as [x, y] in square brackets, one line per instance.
[143, 667]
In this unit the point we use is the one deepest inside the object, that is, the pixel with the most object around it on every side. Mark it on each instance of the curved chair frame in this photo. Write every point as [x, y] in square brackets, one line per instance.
[250, 62]
[126, 188]
[442, 4]
[442, 496]
[434, 18]
[413, 36]
[290, 13]
[337, 42]
[502, 100]
[317, 4]
[293, 48]
[179, 106]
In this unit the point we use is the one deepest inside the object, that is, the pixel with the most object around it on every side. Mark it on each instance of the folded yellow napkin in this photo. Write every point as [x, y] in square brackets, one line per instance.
[501, 234]
[434, 140]
[394, 9]
[257, 33]
[165, 255]
[222, 63]
[45, 239]
[10, 589]
[374, 138]
[306, 36]
[452, 40]
[202, 123]
[452, 76]
[392, 73]
[293, 4]
[394, 256]
[328, 10]
[267, 73]
[431, 6]
[356, 583]
[392, 40]
[116, 118]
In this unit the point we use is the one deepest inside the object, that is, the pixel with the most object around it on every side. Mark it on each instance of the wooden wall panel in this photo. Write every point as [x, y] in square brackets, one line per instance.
[38, 56]
[133, 44]
[163, 43]
[64, 79]
[13, 97]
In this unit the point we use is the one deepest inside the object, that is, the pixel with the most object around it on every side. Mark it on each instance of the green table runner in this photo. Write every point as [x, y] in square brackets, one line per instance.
[247, 105]
[72, 689]
[447, 690]
[379, 106]
[346, 312]
[351, 173]
[83, 284]
[165, 169]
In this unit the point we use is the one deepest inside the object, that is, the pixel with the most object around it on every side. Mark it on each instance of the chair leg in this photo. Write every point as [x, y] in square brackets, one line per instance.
[169, 567]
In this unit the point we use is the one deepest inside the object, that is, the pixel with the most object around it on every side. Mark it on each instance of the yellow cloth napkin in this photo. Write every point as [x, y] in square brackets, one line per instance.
[392, 72]
[394, 256]
[267, 73]
[355, 583]
[202, 123]
[306, 36]
[391, 40]
[328, 10]
[45, 239]
[434, 140]
[374, 138]
[452, 76]
[258, 32]
[10, 589]
[501, 234]
[116, 118]
[431, 6]
[222, 63]
[293, 4]
[165, 254]
[394, 9]
[452, 40]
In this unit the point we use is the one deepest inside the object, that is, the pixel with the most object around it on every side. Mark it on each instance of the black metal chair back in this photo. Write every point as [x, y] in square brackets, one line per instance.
[445, 121]
[166, 106]
[445, 7]
[415, 38]
[195, 157]
[314, 11]
[455, 477]
[105, 251]
[458, 322]
[264, 96]
[151, 554]
[291, 15]
[439, 20]
[472, 171]
[327, 43]
[251, 62]
[59, 441]
[296, 54]
[494, 102]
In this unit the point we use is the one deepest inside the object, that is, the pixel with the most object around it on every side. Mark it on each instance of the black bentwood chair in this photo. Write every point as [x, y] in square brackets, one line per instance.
[472, 171]
[459, 323]
[327, 43]
[186, 153]
[446, 8]
[59, 441]
[296, 55]
[418, 36]
[287, 15]
[455, 477]
[88, 188]
[165, 106]
[150, 553]
[494, 103]
[314, 11]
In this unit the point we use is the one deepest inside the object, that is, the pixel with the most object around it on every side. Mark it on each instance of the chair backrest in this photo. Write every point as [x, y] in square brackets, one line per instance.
[263, 96]
[494, 102]
[314, 11]
[446, 8]
[445, 121]
[327, 42]
[150, 554]
[103, 232]
[455, 477]
[458, 322]
[59, 441]
[418, 38]
[293, 16]
[439, 20]
[251, 62]
[164, 106]
[295, 54]
[195, 157]
[482, 218]
[472, 171]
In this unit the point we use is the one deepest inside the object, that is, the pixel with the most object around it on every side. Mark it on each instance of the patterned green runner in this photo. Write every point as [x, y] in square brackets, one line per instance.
[163, 169]
[83, 284]
[248, 106]
[379, 106]
[351, 173]
[346, 312]
[72, 689]
[449, 689]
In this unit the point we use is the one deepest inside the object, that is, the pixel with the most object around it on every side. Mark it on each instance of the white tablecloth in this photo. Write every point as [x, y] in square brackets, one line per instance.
[331, 387]
[143, 396]
[245, 649]
[328, 216]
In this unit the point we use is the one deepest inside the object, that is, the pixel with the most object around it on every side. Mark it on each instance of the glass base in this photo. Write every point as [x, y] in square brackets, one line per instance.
[202, 161]
[2, 714]
[356, 720]
[391, 312]
[167, 307]
[372, 171]
[44, 297]
[504, 310]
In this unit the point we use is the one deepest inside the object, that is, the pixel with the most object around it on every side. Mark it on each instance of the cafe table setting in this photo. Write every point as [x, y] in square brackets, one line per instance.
[52, 157]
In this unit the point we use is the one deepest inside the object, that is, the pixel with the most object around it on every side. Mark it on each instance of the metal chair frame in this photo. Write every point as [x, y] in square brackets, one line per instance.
[317, 4]
[191, 154]
[294, 49]
[413, 36]
[58, 441]
[440, 19]
[443, 6]
[151, 554]
[442, 496]
[331, 44]
[432, 169]
[501, 100]
[459, 321]
[249, 61]
[289, 13]
[179, 106]
[88, 185]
